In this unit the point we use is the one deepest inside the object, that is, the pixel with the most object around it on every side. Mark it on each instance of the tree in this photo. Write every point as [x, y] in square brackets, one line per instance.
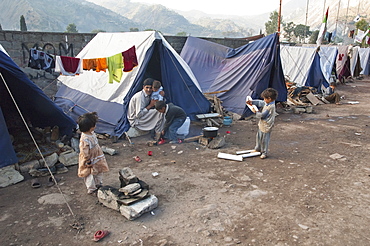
[134, 29]
[302, 31]
[181, 34]
[71, 28]
[313, 37]
[289, 29]
[1, 28]
[362, 25]
[23, 24]
[271, 26]
[97, 30]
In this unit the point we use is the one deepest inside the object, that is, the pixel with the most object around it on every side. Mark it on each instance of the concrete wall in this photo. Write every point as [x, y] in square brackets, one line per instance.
[18, 43]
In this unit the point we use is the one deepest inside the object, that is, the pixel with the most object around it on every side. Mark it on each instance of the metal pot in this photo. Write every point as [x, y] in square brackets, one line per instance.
[210, 132]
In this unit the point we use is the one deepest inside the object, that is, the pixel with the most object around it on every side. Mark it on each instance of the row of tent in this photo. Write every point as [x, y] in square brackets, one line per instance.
[201, 67]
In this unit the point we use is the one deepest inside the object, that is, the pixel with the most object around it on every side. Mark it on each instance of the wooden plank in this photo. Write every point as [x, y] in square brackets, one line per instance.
[210, 115]
[251, 154]
[192, 139]
[244, 151]
[230, 157]
[215, 92]
[314, 100]
[214, 123]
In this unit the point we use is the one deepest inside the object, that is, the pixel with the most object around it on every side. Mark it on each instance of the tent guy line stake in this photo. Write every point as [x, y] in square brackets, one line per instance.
[34, 141]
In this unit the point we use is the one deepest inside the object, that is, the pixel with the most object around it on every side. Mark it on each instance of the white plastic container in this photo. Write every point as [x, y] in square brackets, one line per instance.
[184, 129]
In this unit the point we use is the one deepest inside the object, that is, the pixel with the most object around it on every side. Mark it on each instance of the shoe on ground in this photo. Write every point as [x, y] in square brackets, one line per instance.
[93, 192]
[263, 156]
[99, 235]
[161, 141]
[253, 151]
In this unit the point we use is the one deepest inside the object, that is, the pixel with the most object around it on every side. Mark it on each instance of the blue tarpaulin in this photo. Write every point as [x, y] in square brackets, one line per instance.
[36, 107]
[245, 71]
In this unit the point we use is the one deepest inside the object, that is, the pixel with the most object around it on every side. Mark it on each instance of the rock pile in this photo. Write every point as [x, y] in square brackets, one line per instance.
[132, 199]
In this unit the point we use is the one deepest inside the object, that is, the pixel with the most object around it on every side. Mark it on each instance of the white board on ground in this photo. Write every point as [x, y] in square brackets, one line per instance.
[244, 151]
[230, 157]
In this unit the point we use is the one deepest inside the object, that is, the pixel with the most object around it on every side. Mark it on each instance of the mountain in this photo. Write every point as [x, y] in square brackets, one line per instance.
[56, 15]
[171, 22]
[124, 15]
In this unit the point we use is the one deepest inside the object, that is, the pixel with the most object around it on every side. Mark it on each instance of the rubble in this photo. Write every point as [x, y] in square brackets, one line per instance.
[132, 199]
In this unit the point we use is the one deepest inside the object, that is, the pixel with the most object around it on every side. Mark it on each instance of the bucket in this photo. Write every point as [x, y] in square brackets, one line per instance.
[184, 129]
[227, 121]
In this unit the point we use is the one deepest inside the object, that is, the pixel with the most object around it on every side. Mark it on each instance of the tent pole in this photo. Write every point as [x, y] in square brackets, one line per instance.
[345, 27]
[305, 30]
[279, 19]
[336, 22]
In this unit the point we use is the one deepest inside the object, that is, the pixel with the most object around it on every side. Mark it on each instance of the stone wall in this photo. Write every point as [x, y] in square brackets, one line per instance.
[18, 43]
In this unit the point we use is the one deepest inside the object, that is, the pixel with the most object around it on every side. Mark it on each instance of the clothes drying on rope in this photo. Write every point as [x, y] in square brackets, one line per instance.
[115, 64]
[40, 60]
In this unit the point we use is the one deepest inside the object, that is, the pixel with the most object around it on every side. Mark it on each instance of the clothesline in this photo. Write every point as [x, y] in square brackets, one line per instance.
[71, 66]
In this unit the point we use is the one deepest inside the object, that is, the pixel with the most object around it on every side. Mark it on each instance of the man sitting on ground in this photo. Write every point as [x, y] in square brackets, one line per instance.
[330, 95]
[141, 113]
[175, 117]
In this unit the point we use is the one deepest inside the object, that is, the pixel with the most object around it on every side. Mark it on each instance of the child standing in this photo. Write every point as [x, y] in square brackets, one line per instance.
[91, 163]
[158, 92]
[266, 119]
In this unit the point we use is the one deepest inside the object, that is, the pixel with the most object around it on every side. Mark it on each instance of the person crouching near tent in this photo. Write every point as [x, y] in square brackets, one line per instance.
[174, 119]
[91, 163]
[266, 119]
[141, 113]
[330, 95]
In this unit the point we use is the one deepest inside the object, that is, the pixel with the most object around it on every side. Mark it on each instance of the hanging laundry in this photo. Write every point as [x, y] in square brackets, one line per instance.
[68, 65]
[96, 64]
[115, 65]
[129, 59]
[40, 60]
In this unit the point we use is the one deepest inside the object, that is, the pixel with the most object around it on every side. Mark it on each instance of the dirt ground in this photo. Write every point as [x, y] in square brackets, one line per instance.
[299, 195]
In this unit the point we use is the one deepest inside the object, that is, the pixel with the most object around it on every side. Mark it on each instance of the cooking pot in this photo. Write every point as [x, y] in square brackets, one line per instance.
[210, 132]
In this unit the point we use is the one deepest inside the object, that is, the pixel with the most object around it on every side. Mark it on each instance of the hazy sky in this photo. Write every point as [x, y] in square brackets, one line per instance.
[230, 7]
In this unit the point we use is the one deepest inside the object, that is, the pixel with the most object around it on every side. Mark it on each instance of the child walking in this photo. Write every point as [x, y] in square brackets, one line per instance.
[91, 163]
[266, 119]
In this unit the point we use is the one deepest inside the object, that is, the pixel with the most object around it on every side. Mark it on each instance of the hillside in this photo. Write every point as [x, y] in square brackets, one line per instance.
[122, 15]
[54, 16]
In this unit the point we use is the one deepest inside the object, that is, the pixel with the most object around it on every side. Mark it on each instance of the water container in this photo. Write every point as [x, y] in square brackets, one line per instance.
[184, 129]
[227, 120]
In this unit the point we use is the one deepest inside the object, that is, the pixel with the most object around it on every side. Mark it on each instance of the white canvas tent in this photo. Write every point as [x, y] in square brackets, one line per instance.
[302, 66]
[365, 60]
[90, 91]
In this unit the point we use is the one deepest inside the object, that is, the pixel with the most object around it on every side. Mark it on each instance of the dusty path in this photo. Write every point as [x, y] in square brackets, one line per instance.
[297, 196]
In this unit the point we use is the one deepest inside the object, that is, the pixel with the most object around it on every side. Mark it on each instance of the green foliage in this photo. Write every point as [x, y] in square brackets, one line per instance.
[302, 32]
[289, 29]
[314, 36]
[149, 29]
[271, 26]
[97, 30]
[134, 29]
[71, 28]
[23, 24]
[181, 34]
[362, 25]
